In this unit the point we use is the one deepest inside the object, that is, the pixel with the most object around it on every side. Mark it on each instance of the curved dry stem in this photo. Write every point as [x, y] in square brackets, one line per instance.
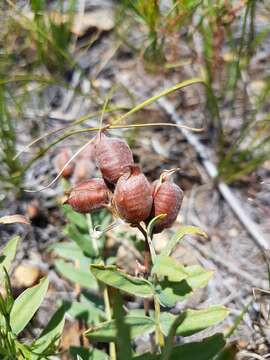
[156, 124]
[107, 99]
[74, 123]
[165, 92]
[63, 169]
[115, 126]
[107, 127]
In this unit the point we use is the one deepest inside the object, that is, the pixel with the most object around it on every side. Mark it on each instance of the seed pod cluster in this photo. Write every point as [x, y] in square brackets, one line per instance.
[125, 189]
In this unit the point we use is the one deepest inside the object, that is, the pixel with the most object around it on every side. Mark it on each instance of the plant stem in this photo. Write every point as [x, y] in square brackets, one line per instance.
[169, 342]
[149, 257]
[147, 264]
[112, 348]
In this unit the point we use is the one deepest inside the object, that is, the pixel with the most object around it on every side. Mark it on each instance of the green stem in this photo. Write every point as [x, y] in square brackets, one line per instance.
[149, 258]
[112, 348]
[169, 342]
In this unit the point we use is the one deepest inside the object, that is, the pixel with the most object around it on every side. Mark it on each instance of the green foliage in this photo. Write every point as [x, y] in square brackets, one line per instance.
[201, 350]
[169, 268]
[169, 293]
[194, 320]
[9, 168]
[79, 275]
[26, 305]
[15, 315]
[33, 42]
[228, 42]
[184, 230]
[89, 310]
[107, 331]
[50, 335]
[8, 254]
[109, 275]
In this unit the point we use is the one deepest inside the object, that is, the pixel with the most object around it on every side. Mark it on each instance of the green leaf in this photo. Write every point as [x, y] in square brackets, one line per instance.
[85, 310]
[106, 331]
[27, 304]
[152, 223]
[198, 276]
[75, 218]
[195, 320]
[109, 275]
[81, 275]
[8, 255]
[185, 230]
[169, 293]
[82, 240]
[87, 354]
[9, 299]
[51, 333]
[168, 267]
[123, 328]
[201, 350]
[68, 250]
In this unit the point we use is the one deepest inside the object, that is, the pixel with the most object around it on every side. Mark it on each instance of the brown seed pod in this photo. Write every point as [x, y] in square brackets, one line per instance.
[167, 199]
[60, 161]
[132, 196]
[88, 196]
[113, 157]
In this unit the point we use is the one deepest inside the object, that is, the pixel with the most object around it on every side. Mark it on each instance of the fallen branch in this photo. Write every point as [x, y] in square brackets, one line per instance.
[212, 171]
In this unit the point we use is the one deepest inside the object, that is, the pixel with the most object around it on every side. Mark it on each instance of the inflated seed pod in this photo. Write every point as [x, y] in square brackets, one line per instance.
[167, 199]
[132, 197]
[113, 156]
[60, 161]
[88, 196]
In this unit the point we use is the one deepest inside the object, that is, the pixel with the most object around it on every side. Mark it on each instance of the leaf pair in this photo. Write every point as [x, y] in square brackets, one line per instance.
[194, 321]
[168, 292]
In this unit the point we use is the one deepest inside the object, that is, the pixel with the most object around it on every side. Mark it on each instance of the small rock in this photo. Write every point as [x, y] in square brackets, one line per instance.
[26, 275]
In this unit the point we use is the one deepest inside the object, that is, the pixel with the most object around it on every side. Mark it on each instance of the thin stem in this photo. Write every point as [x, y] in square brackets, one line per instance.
[74, 123]
[112, 347]
[149, 257]
[169, 342]
[64, 167]
[147, 264]
[158, 96]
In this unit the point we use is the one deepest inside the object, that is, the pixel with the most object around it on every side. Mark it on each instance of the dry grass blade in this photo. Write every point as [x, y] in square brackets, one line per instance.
[12, 219]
